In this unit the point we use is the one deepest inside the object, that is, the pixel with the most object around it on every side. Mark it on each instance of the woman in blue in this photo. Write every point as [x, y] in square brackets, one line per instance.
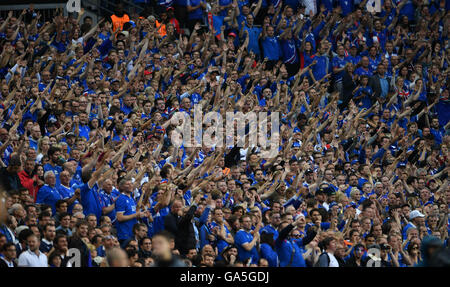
[306, 54]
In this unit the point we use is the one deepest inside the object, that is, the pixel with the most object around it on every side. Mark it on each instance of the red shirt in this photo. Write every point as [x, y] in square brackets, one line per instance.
[28, 183]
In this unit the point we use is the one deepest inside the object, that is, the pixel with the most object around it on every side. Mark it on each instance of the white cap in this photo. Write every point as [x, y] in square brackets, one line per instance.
[414, 214]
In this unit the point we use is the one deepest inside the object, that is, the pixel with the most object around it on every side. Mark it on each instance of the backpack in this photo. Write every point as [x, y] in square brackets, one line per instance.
[320, 256]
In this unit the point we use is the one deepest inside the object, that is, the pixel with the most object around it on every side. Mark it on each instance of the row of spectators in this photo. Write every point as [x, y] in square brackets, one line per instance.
[89, 162]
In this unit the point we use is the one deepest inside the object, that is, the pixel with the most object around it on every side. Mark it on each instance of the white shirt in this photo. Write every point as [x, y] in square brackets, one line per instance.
[333, 260]
[31, 259]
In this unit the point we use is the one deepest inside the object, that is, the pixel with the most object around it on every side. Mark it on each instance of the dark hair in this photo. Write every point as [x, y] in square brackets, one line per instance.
[7, 245]
[59, 203]
[44, 214]
[137, 226]
[326, 242]
[58, 237]
[47, 225]
[23, 235]
[82, 222]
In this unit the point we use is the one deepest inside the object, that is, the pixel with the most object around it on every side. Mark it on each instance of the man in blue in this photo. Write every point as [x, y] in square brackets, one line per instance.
[379, 83]
[126, 212]
[289, 46]
[48, 193]
[271, 46]
[54, 154]
[108, 198]
[416, 220]
[322, 63]
[289, 250]
[67, 192]
[82, 127]
[246, 241]
[34, 137]
[195, 13]
[221, 232]
[275, 220]
[253, 35]
[338, 63]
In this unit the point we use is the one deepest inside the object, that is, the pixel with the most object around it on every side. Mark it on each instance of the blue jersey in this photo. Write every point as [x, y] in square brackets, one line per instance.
[287, 249]
[320, 69]
[338, 62]
[56, 170]
[271, 48]
[253, 34]
[196, 14]
[289, 49]
[48, 195]
[220, 243]
[246, 237]
[108, 200]
[90, 199]
[126, 205]
[67, 193]
[269, 254]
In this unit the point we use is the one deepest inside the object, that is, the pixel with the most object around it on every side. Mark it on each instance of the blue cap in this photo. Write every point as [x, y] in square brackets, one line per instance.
[355, 161]
[295, 144]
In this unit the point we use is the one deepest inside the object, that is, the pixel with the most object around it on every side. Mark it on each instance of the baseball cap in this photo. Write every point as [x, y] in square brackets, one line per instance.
[309, 171]
[232, 34]
[415, 214]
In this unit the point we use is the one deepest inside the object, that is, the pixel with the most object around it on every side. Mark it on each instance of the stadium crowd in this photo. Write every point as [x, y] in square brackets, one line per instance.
[361, 174]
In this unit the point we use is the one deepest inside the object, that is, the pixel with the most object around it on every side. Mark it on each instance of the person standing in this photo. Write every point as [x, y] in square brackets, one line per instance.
[126, 212]
[327, 258]
[246, 241]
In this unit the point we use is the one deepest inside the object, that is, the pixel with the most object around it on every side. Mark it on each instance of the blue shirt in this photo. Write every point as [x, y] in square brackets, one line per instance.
[48, 195]
[384, 87]
[320, 69]
[289, 50]
[269, 254]
[253, 34]
[67, 193]
[197, 13]
[338, 62]
[90, 200]
[108, 200]
[56, 170]
[127, 205]
[271, 48]
[242, 237]
[285, 249]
